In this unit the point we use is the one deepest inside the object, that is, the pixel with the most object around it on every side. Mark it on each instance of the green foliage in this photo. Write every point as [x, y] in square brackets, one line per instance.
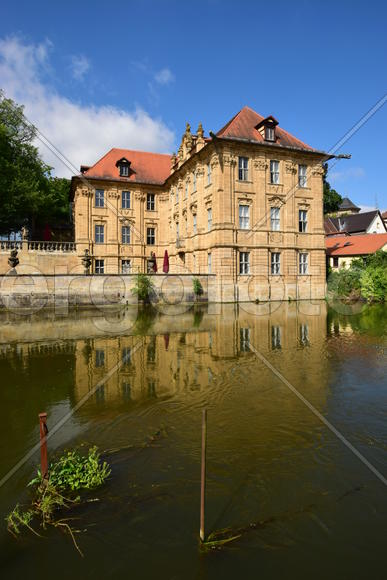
[332, 199]
[374, 284]
[197, 287]
[74, 471]
[365, 279]
[70, 473]
[28, 193]
[143, 287]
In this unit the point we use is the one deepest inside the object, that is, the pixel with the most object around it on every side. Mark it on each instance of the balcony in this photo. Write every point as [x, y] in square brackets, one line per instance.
[52, 246]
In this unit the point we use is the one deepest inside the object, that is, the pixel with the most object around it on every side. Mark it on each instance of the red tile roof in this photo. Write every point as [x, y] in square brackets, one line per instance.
[384, 215]
[145, 167]
[355, 245]
[242, 126]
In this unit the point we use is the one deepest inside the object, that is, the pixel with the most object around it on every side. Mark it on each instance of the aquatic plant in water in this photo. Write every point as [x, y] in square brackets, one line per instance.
[71, 473]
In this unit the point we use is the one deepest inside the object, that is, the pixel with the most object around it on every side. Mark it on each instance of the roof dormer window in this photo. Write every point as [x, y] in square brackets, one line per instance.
[266, 128]
[124, 170]
[124, 167]
[269, 133]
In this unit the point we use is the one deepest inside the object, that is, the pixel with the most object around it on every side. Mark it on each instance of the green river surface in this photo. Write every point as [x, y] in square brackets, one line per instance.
[306, 505]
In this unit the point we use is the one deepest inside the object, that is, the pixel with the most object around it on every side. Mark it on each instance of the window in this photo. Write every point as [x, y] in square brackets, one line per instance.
[209, 219]
[124, 170]
[302, 176]
[275, 337]
[99, 198]
[335, 261]
[304, 335]
[208, 173]
[243, 168]
[150, 201]
[125, 200]
[244, 263]
[303, 264]
[244, 339]
[194, 181]
[99, 234]
[126, 355]
[244, 217]
[150, 236]
[275, 263]
[302, 220]
[126, 266]
[274, 172]
[194, 223]
[99, 358]
[126, 390]
[209, 262]
[275, 219]
[100, 266]
[269, 134]
[126, 234]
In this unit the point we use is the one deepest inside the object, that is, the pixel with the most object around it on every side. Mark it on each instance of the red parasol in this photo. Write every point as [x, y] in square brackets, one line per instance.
[166, 263]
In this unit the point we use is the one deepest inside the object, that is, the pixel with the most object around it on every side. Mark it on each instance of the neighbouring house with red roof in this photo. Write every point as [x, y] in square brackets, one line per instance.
[244, 203]
[384, 217]
[341, 250]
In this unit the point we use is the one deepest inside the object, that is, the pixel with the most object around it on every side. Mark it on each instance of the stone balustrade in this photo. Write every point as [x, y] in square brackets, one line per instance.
[52, 246]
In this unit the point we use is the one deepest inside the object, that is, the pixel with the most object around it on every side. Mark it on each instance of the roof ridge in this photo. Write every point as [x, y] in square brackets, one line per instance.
[139, 151]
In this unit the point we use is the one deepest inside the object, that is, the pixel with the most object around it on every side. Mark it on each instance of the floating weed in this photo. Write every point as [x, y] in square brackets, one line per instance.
[71, 473]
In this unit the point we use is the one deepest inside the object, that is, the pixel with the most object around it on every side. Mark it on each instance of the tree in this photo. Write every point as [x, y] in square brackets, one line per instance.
[28, 192]
[332, 199]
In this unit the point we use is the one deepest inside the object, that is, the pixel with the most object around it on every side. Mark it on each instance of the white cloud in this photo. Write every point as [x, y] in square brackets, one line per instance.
[83, 133]
[346, 174]
[80, 65]
[164, 76]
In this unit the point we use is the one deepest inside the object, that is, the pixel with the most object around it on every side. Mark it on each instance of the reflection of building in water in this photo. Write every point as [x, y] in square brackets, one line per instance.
[166, 364]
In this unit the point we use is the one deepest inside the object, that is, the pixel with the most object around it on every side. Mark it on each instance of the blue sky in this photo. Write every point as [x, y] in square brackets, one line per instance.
[93, 75]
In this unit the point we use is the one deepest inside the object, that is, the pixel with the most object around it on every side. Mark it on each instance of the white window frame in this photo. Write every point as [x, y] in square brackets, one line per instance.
[274, 171]
[275, 263]
[124, 170]
[244, 263]
[99, 266]
[244, 216]
[275, 219]
[269, 133]
[125, 199]
[302, 221]
[209, 174]
[99, 199]
[302, 175]
[303, 263]
[99, 233]
[209, 219]
[244, 339]
[276, 341]
[126, 266]
[125, 234]
[243, 168]
[150, 236]
[150, 202]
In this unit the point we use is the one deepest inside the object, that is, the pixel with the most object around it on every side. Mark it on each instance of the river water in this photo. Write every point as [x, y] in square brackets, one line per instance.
[306, 506]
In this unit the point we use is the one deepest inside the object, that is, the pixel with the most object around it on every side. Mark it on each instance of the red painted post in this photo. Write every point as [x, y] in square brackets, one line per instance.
[203, 475]
[43, 445]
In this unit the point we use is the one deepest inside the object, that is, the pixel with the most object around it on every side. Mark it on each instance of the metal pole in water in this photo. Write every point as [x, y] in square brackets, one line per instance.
[203, 474]
[43, 444]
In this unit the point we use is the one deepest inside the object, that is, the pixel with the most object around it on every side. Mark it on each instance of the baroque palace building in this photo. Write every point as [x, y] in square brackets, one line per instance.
[245, 204]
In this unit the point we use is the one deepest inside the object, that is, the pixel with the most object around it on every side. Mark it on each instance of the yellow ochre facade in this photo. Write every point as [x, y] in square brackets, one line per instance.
[245, 204]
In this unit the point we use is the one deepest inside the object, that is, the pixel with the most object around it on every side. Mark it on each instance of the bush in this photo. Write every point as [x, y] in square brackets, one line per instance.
[143, 288]
[374, 284]
[197, 287]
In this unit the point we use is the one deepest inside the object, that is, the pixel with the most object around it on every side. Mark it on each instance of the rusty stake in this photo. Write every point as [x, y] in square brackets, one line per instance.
[203, 474]
[43, 444]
